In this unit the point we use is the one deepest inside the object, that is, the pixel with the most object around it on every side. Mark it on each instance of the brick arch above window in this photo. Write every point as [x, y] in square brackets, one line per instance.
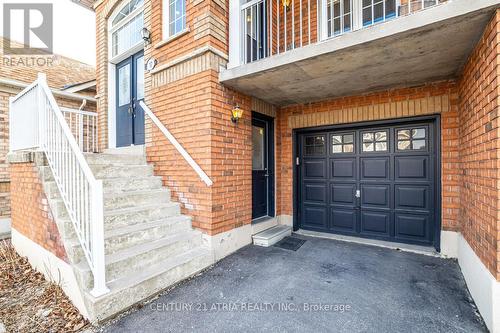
[109, 7]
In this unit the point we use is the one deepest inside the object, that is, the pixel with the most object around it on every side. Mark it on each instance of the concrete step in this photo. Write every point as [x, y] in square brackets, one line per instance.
[170, 225]
[137, 258]
[131, 289]
[135, 199]
[272, 235]
[264, 223]
[123, 159]
[114, 185]
[133, 215]
[119, 185]
[122, 216]
[130, 150]
[106, 171]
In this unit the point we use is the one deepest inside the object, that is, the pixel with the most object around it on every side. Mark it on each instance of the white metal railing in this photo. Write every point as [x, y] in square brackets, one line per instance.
[81, 192]
[204, 177]
[270, 27]
[83, 125]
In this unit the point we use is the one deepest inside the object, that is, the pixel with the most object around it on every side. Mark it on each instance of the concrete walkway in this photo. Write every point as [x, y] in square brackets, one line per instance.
[326, 286]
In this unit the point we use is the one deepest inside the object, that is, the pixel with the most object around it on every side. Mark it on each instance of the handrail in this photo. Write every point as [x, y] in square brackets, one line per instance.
[80, 191]
[83, 125]
[177, 145]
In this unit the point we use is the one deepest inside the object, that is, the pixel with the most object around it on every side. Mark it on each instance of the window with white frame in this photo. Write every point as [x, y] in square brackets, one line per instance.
[126, 27]
[375, 11]
[338, 16]
[174, 17]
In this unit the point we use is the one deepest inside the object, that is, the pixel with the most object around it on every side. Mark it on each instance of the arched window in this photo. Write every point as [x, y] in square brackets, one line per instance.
[126, 27]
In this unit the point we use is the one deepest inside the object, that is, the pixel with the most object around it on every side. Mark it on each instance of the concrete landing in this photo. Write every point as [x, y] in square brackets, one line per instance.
[272, 235]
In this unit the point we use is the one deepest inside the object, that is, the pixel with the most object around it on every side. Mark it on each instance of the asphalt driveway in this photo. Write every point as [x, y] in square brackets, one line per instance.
[324, 286]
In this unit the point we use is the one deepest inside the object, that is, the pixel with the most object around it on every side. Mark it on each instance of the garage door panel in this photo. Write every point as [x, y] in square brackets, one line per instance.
[342, 169]
[315, 169]
[343, 194]
[314, 216]
[315, 193]
[412, 197]
[412, 227]
[343, 220]
[412, 167]
[375, 195]
[375, 168]
[375, 223]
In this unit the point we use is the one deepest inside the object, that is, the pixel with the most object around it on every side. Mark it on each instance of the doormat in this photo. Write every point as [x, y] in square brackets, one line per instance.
[290, 243]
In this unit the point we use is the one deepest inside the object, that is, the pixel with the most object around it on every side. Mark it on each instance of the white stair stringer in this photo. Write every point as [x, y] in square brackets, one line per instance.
[149, 244]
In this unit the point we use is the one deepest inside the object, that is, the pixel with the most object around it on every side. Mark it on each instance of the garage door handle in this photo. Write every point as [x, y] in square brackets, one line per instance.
[358, 194]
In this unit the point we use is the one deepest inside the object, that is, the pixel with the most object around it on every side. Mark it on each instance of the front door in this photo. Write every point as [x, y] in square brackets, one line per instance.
[129, 92]
[262, 166]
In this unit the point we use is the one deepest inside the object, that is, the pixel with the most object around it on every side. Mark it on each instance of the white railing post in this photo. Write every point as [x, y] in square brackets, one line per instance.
[80, 131]
[98, 240]
[235, 34]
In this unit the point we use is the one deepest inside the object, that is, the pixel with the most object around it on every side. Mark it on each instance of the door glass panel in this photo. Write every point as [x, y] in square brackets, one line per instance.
[128, 35]
[348, 138]
[343, 143]
[140, 78]
[381, 146]
[412, 139]
[418, 145]
[404, 135]
[418, 133]
[375, 141]
[367, 146]
[403, 145]
[124, 85]
[315, 145]
[258, 148]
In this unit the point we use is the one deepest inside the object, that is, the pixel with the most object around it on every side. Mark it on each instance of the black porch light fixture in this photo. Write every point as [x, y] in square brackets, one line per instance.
[236, 113]
[146, 35]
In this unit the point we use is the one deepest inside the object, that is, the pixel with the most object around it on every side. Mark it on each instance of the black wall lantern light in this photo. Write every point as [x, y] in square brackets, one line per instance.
[236, 114]
[146, 35]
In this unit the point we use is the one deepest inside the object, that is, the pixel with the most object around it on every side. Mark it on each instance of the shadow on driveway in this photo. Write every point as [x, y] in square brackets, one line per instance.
[325, 286]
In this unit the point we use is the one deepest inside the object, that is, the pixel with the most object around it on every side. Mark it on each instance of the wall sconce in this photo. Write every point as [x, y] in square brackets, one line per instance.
[146, 35]
[236, 114]
[285, 3]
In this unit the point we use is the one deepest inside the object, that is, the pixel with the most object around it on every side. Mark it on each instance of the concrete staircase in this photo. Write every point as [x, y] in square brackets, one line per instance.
[149, 244]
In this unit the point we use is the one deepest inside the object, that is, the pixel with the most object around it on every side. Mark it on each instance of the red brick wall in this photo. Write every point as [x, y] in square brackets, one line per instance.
[31, 215]
[197, 112]
[196, 109]
[480, 147]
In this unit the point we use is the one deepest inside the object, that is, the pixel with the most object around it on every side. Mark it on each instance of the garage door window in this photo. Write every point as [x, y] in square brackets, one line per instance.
[315, 145]
[412, 139]
[375, 141]
[343, 143]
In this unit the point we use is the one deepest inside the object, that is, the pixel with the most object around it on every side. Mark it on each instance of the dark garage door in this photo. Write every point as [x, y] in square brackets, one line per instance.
[376, 182]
